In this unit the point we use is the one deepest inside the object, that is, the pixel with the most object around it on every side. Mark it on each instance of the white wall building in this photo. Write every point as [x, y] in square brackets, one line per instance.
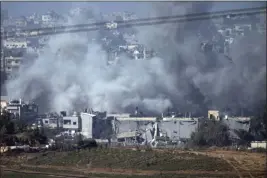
[111, 25]
[71, 123]
[87, 125]
[96, 125]
[52, 122]
[46, 18]
[258, 144]
[11, 44]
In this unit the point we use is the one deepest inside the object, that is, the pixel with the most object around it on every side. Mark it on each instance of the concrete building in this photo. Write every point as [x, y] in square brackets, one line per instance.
[14, 107]
[236, 124]
[4, 103]
[213, 114]
[178, 128]
[258, 144]
[152, 130]
[71, 123]
[49, 19]
[46, 18]
[11, 61]
[52, 121]
[111, 25]
[12, 43]
[96, 125]
[12, 64]
[87, 125]
[21, 21]
[134, 130]
[21, 110]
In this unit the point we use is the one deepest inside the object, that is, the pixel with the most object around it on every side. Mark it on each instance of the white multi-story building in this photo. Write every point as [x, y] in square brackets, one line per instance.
[111, 25]
[12, 43]
[95, 125]
[51, 121]
[46, 18]
[11, 65]
[87, 125]
[71, 123]
[22, 110]
[4, 103]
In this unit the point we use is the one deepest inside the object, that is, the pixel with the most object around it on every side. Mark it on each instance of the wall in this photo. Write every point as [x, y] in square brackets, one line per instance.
[87, 125]
[258, 144]
[71, 125]
[213, 113]
[46, 18]
[3, 104]
[50, 122]
[95, 126]
[153, 119]
[15, 44]
[176, 129]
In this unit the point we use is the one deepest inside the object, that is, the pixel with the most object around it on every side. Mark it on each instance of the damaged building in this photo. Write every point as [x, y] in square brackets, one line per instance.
[137, 129]
[133, 129]
[96, 125]
[50, 120]
[22, 110]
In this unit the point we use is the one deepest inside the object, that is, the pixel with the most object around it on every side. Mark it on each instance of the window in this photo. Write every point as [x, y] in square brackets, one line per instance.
[74, 123]
[54, 121]
[46, 122]
[67, 122]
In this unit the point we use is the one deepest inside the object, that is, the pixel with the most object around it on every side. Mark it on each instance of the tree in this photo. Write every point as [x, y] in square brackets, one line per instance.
[211, 133]
[244, 137]
[258, 128]
[12, 131]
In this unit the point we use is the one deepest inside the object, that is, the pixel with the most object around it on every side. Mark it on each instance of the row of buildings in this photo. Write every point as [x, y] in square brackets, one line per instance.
[226, 30]
[18, 109]
[134, 129]
[22, 40]
[128, 129]
[35, 20]
[115, 40]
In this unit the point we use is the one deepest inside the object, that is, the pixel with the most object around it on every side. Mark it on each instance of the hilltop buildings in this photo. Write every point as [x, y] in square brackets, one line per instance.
[135, 129]
[18, 109]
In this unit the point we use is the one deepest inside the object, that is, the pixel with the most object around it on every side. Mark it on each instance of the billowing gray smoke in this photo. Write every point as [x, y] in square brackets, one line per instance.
[208, 80]
[73, 73]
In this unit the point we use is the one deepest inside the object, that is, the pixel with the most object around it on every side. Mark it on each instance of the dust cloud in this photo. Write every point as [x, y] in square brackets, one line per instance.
[72, 72]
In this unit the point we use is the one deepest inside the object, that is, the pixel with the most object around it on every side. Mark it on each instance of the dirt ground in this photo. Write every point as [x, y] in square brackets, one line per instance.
[242, 160]
[244, 164]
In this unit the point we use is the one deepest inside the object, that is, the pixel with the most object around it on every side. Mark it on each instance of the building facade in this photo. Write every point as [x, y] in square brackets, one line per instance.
[21, 110]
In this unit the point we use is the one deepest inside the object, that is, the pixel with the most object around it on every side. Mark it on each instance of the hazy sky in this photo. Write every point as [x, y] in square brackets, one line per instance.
[25, 8]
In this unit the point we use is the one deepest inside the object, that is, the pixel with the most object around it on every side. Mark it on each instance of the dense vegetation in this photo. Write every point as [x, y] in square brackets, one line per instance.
[211, 133]
[216, 133]
[16, 132]
[132, 159]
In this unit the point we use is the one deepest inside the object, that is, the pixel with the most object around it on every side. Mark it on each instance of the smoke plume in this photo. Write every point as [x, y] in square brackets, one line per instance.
[72, 73]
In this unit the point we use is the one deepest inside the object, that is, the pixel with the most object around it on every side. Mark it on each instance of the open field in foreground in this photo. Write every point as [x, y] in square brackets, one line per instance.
[121, 163]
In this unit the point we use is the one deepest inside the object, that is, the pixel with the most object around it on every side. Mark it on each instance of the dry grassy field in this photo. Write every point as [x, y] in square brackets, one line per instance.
[114, 162]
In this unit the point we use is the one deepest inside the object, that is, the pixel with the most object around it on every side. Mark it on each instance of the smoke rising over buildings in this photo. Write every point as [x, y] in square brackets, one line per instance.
[72, 72]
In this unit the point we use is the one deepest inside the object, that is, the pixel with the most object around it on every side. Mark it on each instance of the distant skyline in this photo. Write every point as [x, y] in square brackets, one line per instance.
[27, 8]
